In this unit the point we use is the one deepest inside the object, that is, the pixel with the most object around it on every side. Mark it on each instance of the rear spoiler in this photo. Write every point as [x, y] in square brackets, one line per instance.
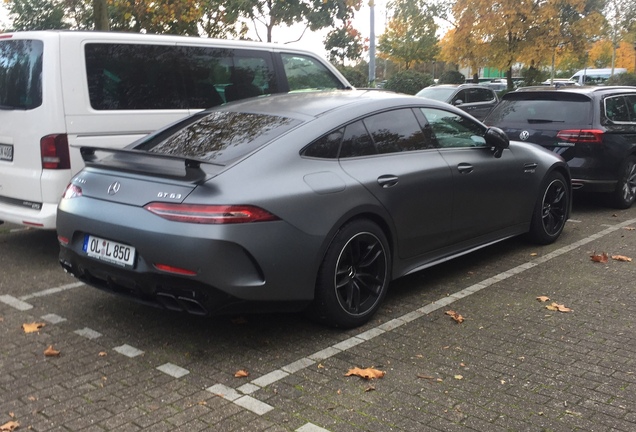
[155, 164]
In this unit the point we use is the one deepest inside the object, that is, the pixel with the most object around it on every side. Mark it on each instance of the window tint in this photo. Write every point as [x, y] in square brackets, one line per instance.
[396, 131]
[454, 130]
[631, 107]
[539, 110]
[616, 109]
[304, 73]
[480, 95]
[135, 76]
[461, 95]
[356, 141]
[20, 74]
[326, 147]
[220, 137]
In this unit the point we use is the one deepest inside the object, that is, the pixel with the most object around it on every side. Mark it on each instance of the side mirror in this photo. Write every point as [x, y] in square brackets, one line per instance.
[458, 102]
[497, 140]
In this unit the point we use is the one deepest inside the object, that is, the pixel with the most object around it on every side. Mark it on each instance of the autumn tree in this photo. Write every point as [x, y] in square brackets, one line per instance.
[502, 33]
[410, 36]
[344, 43]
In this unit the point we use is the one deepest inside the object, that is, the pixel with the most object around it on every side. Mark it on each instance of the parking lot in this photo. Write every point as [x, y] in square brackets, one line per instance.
[511, 365]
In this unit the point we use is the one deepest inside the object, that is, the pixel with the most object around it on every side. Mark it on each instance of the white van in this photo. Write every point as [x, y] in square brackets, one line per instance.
[60, 90]
[595, 76]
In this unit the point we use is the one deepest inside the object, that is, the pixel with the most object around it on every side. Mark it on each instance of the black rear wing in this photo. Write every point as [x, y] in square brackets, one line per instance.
[154, 164]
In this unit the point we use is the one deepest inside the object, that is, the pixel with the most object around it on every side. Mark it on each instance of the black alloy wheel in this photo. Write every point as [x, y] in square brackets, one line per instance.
[626, 187]
[551, 210]
[354, 276]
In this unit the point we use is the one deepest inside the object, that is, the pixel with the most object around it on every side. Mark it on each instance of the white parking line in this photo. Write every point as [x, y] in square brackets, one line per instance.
[50, 291]
[233, 395]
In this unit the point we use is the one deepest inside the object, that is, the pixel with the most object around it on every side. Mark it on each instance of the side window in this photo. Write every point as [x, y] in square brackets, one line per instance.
[396, 131]
[461, 95]
[616, 109]
[326, 147]
[140, 77]
[481, 95]
[356, 141]
[305, 73]
[453, 130]
[631, 107]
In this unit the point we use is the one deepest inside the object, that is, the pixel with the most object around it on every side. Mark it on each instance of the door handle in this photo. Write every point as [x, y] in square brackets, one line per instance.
[387, 181]
[465, 168]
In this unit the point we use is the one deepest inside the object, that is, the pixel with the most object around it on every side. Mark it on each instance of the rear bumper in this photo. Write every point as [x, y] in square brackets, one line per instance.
[22, 215]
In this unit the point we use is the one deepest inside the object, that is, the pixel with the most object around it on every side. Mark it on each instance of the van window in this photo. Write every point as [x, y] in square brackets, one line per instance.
[20, 74]
[305, 73]
[136, 77]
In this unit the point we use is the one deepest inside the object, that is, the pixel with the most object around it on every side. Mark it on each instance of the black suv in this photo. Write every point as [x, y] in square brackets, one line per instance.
[476, 100]
[593, 128]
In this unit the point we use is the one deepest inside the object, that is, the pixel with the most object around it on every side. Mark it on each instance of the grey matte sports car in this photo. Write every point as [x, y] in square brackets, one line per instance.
[309, 201]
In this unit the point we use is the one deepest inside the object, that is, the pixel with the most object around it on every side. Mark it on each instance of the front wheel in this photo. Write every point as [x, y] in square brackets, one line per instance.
[551, 210]
[626, 188]
[353, 277]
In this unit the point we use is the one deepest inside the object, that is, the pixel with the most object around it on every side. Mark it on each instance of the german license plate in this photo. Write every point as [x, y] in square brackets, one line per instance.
[110, 251]
[6, 152]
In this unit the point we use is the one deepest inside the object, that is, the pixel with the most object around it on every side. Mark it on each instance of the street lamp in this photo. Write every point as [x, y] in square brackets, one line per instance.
[635, 57]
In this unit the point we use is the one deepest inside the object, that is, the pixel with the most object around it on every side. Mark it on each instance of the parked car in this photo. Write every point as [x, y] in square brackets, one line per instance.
[476, 100]
[592, 76]
[62, 89]
[316, 199]
[593, 128]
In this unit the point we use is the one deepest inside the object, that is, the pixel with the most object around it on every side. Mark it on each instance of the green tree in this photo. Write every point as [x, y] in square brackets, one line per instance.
[344, 43]
[410, 34]
[37, 14]
[409, 82]
[316, 14]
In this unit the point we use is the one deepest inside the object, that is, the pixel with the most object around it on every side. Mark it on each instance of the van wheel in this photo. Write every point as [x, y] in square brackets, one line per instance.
[354, 276]
[550, 211]
[626, 188]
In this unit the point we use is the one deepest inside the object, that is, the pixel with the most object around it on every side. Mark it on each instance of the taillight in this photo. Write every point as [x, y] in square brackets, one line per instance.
[72, 191]
[581, 135]
[54, 151]
[210, 214]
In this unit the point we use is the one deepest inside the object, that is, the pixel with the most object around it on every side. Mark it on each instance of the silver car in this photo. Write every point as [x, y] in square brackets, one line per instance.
[313, 201]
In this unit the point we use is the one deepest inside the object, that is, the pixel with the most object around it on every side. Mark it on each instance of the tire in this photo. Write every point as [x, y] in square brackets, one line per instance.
[551, 210]
[626, 187]
[354, 276]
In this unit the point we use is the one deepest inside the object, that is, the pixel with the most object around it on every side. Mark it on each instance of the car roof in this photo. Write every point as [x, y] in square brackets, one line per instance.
[587, 90]
[311, 104]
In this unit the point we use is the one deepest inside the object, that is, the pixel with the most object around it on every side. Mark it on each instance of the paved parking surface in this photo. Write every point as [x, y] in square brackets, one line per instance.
[512, 365]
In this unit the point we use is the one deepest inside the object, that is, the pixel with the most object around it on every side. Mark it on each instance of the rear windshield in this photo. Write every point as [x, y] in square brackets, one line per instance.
[220, 137]
[534, 108]
[20, 74]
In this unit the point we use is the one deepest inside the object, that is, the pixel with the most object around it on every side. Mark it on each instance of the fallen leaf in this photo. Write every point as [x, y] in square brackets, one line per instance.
[51, 352]
[543, 299]
[599, 258]
[368, 373]
[102, 354]
[534, 254]
[428, 377]
[321, 366]
[368, 389]
[32, 398]
[629, 228]
[459, 377]
[32, 327]
[621, 258]
[9, 426]
[455, 316]
[558, 307]
[241, 374]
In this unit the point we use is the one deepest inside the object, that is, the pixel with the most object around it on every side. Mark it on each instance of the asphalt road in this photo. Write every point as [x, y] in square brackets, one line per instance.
[512, 365]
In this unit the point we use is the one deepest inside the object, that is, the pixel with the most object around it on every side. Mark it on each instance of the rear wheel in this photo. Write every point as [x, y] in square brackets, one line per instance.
[354, 276]
[550, 211]
[626, 188]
